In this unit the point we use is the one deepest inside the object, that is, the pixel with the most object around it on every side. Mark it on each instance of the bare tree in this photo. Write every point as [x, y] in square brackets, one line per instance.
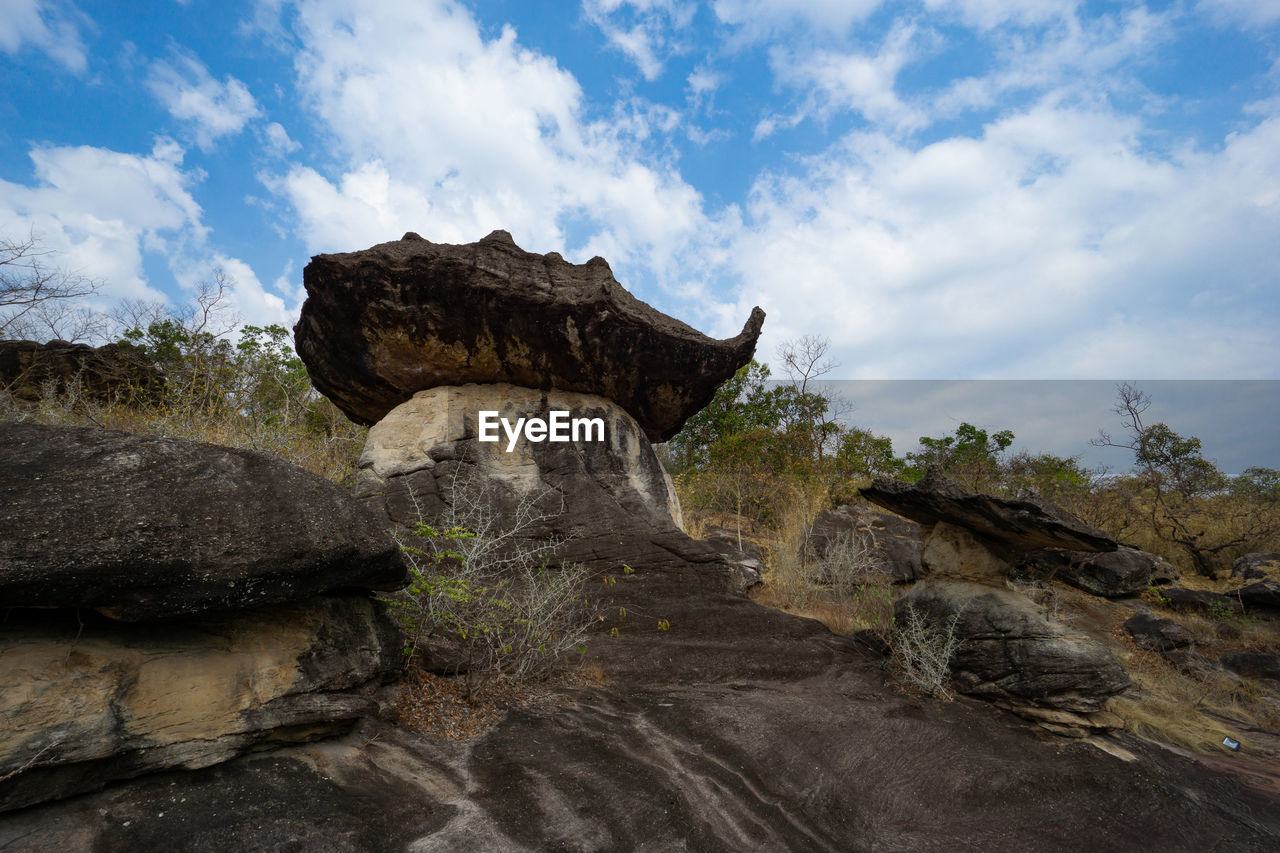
[33, 291]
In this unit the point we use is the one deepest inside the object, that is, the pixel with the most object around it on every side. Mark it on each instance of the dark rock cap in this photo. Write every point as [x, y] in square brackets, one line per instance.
[1009, 526]
[143, 527]
[382, 324]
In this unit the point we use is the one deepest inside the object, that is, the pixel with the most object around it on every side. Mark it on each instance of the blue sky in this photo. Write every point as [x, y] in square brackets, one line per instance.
[946, 189]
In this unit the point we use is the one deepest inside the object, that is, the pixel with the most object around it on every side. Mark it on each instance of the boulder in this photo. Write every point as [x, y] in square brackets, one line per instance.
[1010, 651]
[87, 700]
[1257, 566]
[1253, 664]
[382, 324]
[140, 527]
[1263, 593]
[1006, 526]
[893, 540]
[1110, 574]
[1156, 634]
[28, 368]
[1200, 599]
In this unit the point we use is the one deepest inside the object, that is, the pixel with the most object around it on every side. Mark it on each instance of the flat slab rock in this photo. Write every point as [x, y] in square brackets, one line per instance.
[1006, 525]
[401, 317]
[140, 527]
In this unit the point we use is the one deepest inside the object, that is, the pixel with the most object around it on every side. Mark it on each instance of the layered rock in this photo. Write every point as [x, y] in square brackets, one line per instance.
[382, 324]
[87, 700]
[1110, 574]
[140, 527]
[231, 598]
[1010, 650]
[1008, 527]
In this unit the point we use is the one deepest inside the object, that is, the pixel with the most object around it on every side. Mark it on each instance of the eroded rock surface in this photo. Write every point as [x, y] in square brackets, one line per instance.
[1257, 566]
[1007, 526]
[382, 324]
[1156, 633]
[1110, 574]
[86, 700]
[140, 527]
[1010, 650]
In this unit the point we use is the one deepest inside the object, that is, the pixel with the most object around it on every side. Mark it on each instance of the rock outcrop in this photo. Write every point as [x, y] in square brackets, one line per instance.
[87, 700]
[894, 541]
[1257, 566]
[141, 527]
[1156, 633]
[29, 369]
[382, 324]
[1110, 574]
[232, 602]
[1010, 650]
[1006, 526]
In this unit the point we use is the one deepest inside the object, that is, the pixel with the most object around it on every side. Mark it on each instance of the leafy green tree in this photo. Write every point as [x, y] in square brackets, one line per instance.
[972, 457]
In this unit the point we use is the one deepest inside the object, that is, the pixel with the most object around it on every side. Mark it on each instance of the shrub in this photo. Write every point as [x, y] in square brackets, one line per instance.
[480, 584]
[922, 652]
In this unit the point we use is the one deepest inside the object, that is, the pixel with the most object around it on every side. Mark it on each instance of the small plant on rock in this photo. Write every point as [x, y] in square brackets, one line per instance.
[922, 652]
[482, 586]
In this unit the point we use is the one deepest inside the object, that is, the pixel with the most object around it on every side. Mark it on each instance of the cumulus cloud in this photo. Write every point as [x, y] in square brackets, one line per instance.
[48, 25]
[439, 130]
[189, 92]
[1053, 245]
[104, 213]
[759, 19]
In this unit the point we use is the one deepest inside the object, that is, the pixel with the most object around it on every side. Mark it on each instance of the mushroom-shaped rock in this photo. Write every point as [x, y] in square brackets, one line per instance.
[382, 324]
[1007, 527]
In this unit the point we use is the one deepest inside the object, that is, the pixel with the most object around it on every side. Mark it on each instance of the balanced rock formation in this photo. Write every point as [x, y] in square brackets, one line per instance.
[1007, 527]
[1010, 650]
[382, 324]
[140, 527]
[232, 602]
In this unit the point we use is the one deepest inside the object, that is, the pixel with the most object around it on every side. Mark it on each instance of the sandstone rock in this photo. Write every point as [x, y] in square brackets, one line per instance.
[1111, 574]
[28, 368]
[1008, 527]
[382, 324]
[1200, 599]
[1263, 593]
[955, 553]
[1253, 664]
[1257, 566]
[142, 527]
[1010, 651]
[415, 453]
[1156, 634]
[895, 541]
[92, 700]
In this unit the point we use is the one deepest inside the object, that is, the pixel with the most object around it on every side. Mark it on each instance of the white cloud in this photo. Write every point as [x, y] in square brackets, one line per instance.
[103, 212]
[646, 31]
[862, 83]
[988, 14]
[278, 140]
[192, 95]
[437, 130]
[1051, 246]
[757, 19]
[48, 25]
[1257, 13]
